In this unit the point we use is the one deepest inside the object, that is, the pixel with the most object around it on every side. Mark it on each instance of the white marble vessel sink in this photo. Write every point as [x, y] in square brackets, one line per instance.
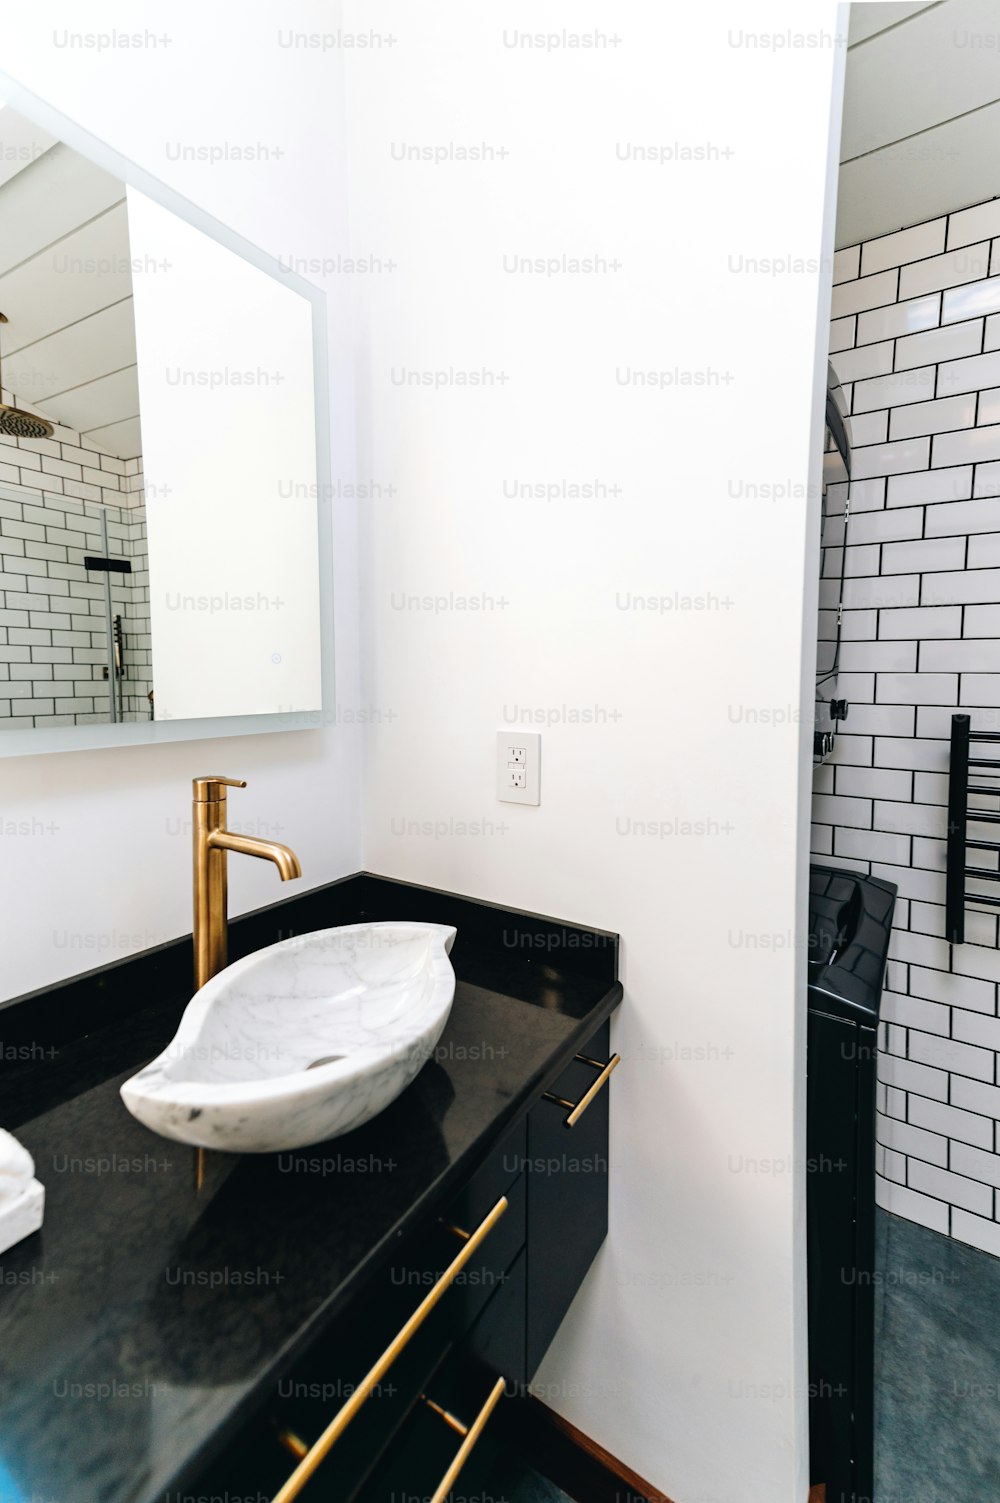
[301, 1041]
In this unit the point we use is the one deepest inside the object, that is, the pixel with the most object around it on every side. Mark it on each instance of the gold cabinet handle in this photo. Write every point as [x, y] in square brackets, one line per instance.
[335, 1429]
[473, 1433]
[576, 1109]
[293, 1443]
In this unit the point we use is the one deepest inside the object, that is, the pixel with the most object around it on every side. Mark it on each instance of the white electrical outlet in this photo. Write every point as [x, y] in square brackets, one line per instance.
[519, 763]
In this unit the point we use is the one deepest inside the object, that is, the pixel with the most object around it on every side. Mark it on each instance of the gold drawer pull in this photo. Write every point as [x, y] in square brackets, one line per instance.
[293, 1443]
[471, 1434]
[451, 1420]
[335, 1429]
[576, 1109]
[456, 1231]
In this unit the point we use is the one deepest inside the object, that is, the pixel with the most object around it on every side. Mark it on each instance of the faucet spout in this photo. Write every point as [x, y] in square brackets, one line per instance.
[212, 844]
[283, 857]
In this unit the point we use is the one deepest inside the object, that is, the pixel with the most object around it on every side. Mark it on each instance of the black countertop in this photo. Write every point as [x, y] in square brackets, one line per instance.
[138, 1328]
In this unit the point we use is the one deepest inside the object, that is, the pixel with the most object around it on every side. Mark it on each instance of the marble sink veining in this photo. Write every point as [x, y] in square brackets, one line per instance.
[302, 1041]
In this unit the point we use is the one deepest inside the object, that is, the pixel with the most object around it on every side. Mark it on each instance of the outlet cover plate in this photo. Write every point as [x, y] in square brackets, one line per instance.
[519, 767]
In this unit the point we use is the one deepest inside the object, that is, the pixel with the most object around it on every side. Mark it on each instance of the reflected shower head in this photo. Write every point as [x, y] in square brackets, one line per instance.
[20, 424]
[17, 423]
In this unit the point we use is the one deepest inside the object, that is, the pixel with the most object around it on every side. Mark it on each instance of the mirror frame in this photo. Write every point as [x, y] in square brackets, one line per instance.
[31, 742]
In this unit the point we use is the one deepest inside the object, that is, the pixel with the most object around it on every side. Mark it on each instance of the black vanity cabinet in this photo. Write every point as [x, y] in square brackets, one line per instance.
[374, 1306]
[448, 1345]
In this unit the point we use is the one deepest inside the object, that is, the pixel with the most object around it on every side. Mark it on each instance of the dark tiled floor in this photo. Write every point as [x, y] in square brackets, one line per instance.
[517, 1483]
[937, 1368]
[531, 1487]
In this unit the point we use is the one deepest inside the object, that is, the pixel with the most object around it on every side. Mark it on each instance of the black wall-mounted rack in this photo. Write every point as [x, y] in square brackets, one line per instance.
[959, 814]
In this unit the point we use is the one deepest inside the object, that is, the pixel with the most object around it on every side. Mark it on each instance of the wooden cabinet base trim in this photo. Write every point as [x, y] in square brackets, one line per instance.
[574, 1462]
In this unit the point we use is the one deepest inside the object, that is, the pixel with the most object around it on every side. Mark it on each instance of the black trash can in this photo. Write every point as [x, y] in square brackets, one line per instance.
[850, 920]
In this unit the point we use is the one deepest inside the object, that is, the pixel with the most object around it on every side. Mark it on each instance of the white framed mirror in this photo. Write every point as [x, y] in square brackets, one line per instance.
[164, 555]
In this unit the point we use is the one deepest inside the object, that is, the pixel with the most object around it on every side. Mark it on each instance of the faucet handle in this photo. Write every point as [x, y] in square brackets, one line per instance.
[212, 790]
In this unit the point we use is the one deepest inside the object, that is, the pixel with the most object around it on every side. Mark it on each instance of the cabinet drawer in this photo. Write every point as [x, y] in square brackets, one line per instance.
[413, 1274]
[498, 1170]
[338, 1363]
[322, 1382]
[496, 1342]
[567, 1174]
[466, 1394]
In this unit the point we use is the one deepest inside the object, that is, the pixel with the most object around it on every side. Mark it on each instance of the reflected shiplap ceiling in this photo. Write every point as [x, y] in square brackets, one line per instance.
[921, 114]
[66, 288]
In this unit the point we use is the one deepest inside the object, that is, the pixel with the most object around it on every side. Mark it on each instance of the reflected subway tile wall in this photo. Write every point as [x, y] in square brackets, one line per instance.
[915, 338]
[53, 636]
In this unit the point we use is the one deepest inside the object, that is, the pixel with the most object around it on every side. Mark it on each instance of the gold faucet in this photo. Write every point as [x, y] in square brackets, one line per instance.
[212, 842]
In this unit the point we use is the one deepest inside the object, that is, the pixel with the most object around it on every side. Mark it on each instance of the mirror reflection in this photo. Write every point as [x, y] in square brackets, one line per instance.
[156, 412]
[74, 560]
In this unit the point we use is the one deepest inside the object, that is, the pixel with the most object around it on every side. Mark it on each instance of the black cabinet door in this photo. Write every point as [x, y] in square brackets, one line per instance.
[567, 1177]
[840, 1200]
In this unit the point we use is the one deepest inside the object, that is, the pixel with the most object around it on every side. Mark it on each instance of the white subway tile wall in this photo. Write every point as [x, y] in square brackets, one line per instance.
[916, 340]
[53, 634]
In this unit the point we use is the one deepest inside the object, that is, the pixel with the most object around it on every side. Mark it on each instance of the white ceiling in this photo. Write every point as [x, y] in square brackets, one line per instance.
[66, 288]
[921, 114]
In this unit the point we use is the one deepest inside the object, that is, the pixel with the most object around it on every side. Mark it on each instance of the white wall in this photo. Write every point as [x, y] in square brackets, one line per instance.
[685, 1352]
[96, 846]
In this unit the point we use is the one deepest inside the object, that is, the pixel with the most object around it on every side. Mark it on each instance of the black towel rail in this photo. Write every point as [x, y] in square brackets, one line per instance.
[959, 814]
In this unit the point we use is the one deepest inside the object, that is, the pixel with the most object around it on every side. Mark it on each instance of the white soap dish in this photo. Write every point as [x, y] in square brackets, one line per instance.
[21, 1215]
